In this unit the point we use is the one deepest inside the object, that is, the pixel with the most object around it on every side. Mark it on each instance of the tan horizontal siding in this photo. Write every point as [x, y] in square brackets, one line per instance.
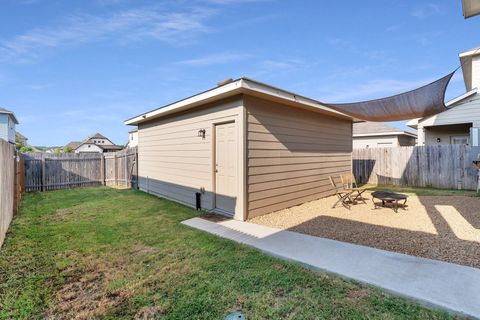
[297, 167]
[289, 203]
[255, 162]
[291, 153]
[270, 185]
[296, 174]
[176, 161]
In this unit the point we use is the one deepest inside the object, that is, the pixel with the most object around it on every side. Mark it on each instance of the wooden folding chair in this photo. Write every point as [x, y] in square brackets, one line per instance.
[349, 183]
[343, 195]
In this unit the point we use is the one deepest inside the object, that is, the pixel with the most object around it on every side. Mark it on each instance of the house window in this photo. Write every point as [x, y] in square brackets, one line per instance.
[459, 140]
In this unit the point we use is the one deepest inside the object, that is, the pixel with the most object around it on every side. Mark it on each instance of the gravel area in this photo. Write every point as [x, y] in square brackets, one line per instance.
[436, 227]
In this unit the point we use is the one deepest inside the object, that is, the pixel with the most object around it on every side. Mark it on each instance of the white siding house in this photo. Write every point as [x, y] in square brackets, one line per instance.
[380, 135]
[132, 138]
[460, 124]
[7, 125]
[96, 143]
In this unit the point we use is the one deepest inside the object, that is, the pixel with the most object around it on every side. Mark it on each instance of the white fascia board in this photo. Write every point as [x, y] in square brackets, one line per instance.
[471, 52]
[241, 85]
[286, 95]
[460, 98]
[413, 123]
[399, 133]
[213, 94]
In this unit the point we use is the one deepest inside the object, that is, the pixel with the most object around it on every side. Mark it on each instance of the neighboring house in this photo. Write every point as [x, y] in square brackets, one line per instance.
[73, 145]
[246, 147]
[380, 135]
[96, 143]
[7, 125]
[461, 123]
[20, 138]
[132, 138]
[470, 8]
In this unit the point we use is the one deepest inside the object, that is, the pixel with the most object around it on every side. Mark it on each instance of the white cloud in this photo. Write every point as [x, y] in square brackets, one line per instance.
[428, 10]
[39, 86]
[213, 59]
[124, 27]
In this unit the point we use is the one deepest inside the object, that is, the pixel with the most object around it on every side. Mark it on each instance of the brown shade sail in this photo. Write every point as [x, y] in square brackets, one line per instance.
[422, 102]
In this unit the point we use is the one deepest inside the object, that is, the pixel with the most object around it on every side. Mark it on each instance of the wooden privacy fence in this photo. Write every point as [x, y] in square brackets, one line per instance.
[442, 166]
[121, 168]
[11, 185]
[62, 171]
[45, 171]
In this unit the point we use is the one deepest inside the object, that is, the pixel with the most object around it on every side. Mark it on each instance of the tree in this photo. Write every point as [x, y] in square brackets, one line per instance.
[25, 149]
[67, 149]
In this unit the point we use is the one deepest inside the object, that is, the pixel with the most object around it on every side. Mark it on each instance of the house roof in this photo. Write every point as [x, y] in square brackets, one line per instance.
[73, 144]
[470, 8]
[365, 129]
[10, 113]
[109, 147]
[76, 144]
[231, 88]
[97, 136]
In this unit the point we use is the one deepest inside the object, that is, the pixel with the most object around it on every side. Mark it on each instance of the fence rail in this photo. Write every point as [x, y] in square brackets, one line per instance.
[443, 166]
[45, 171]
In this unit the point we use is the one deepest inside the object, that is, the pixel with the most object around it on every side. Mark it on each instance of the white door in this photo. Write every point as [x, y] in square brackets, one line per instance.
[226, 154]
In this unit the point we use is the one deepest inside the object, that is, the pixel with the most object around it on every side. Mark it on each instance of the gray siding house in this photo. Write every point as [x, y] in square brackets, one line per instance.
[246, 147]
[460, 124]
[7, 125]
[380, 135]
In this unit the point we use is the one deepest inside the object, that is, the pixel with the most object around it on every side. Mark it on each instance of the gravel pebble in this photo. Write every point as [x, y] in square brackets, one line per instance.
[436, 227]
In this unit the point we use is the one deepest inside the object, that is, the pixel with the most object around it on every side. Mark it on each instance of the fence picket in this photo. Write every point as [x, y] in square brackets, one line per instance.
[439, 166]
[45, 171]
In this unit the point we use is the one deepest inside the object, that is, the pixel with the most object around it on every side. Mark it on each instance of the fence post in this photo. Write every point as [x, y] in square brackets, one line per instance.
[125, 168]
[136, 167]
[43, 172]
[115, 168]
[102, 169]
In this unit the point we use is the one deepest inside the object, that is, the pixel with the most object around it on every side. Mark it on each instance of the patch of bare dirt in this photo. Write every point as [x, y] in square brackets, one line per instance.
[141, 250]
[63, 213]
[436, 227]
[84, 294]
[76, 212]
[357, 294]
[148, 313]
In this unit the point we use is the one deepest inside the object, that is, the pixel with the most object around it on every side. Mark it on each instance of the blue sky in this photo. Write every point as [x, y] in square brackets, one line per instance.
[72, 68]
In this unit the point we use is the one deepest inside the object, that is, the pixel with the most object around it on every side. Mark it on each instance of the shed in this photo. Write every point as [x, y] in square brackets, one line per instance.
[248, 148]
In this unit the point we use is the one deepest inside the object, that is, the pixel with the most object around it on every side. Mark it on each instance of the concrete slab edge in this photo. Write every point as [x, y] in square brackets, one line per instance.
[216, 229]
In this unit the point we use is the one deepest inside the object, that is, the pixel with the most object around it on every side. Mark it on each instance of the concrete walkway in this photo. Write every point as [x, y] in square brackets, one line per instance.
[433, 283]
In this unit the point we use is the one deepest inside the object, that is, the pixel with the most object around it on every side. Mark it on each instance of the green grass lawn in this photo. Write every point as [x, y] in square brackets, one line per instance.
[110, 254]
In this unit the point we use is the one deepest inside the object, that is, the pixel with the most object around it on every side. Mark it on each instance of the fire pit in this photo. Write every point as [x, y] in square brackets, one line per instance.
[389, 198]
